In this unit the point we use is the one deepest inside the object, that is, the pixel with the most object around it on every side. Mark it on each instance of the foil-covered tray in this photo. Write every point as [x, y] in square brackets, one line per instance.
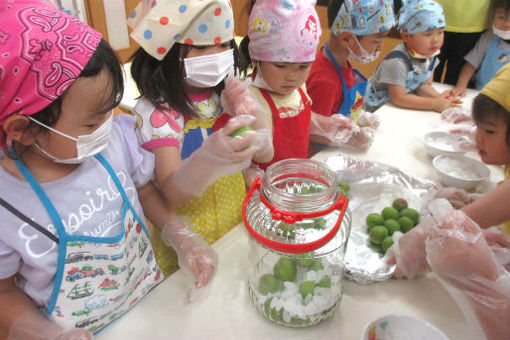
[374, 186]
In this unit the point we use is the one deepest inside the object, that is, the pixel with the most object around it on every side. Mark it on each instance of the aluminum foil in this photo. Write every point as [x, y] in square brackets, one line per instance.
[374, 186]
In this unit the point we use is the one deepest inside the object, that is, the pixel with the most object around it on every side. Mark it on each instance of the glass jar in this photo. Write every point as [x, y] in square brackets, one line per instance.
[299, 226]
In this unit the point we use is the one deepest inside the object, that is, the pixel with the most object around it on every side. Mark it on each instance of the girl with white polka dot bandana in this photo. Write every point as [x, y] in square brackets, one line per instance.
[187, 50]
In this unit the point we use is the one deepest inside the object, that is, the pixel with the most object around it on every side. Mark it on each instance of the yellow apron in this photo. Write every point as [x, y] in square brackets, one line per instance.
[212, 214]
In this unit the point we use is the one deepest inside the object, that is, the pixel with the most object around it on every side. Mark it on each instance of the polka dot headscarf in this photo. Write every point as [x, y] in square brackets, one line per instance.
[157, 25]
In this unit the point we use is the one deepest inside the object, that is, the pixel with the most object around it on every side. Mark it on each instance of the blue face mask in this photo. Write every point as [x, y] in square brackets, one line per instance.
[86, 145]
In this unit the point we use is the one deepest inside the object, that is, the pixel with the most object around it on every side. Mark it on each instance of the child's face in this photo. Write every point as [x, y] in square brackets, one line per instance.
[427, 43]
[82, 112]
[198, 51]
[371, 43]
[491, 142]
[502, 19]
[284, 78]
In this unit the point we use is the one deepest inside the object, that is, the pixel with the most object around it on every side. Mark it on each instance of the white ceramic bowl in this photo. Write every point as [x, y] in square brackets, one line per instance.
[460, 171]
[440, 142]
[401, 327]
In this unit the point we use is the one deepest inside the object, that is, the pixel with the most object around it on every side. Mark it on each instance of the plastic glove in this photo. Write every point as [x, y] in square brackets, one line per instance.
[456, 115]
[361, 138]
[236, 99]
[469, 133]
[337, 128]
[466, 262]
[195, 255]
[220, 155]
[368, 119]
[457, 197]
[34, 326]
[251, 173]
[408, 253]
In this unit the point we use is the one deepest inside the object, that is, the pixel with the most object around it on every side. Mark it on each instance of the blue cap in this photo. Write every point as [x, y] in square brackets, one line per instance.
[418, 16]
[364, 17]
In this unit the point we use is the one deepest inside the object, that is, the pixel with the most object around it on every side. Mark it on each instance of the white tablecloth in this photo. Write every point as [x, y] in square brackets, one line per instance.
[227, 313]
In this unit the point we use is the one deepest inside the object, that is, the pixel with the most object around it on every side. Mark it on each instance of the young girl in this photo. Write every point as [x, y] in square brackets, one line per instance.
[404, 77]
[73, 240]
[491, 52]
[187, 49]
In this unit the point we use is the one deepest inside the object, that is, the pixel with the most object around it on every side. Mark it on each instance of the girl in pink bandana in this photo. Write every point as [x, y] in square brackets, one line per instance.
[75, 253]
[187, 50]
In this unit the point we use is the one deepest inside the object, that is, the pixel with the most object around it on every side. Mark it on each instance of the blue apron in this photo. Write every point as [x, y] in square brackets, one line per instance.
[353, 97]
[98, 278]
[375, 99]
[494, 59]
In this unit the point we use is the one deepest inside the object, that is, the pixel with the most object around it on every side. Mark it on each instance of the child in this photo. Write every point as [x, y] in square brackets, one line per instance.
[282, 39]
[187, 49]
[404, 77]
[490, 53]
[472, 263]
[357, 32]
[73, 240]
[465, 22]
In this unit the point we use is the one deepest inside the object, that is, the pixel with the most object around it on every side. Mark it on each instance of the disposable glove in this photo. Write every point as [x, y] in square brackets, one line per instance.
[456, 115]
[469, 133]
[468, 262]
[457, 197]
[195, 255]
[34, 326]
[252, 172]
[368, 119]
[361, 138]
[219, 155]
[236, 99]
[337, 128]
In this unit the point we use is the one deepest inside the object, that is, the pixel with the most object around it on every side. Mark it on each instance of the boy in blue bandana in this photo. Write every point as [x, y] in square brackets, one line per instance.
[404, 77]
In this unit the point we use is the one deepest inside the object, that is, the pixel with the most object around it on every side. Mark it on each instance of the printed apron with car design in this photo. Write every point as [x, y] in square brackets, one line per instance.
[99, 278]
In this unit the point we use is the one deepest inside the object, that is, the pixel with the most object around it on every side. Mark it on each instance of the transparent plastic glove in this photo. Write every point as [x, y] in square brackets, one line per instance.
[469, 133]
[220, 155]
[195, 255]
[251, 173]
[34, 326]
[465, 260]
[236, 99]
[337, 128]
[409, 252]
[361, 138]
[368, 119]
[457, 197]
[456, 115]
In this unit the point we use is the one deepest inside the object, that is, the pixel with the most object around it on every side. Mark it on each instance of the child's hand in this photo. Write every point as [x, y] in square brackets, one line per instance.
[456, 115]
[195, 256]
[361, 138]
[441, 103]
[458, 92]
[368, 119]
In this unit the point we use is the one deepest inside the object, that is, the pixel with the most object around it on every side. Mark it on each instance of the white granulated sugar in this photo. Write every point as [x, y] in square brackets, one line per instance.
[457, 169]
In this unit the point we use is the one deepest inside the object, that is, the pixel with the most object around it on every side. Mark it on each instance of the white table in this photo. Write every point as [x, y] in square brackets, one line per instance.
[227, 313]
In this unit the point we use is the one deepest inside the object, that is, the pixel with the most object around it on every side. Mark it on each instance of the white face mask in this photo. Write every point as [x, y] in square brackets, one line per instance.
[505, 35]
[86, 145]
[365, 56]
[208, 70]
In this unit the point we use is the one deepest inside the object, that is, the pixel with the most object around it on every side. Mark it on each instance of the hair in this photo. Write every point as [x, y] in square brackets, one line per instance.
[333, 8]
[163, 81]
[495, 5]
[485, 107]
[103, 58]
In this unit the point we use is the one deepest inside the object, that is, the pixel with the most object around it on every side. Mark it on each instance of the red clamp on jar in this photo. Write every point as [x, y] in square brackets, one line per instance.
[299, 226]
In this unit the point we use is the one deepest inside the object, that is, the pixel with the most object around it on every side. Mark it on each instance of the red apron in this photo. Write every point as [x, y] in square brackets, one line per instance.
[290, 134]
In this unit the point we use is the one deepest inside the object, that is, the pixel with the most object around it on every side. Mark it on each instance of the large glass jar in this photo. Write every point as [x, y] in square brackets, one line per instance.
[299, 226]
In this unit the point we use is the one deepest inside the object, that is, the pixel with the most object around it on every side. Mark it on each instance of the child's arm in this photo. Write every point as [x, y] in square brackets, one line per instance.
[400, 98]
[21, 318]
[491, 209]
[194, 254]
[466, 73]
